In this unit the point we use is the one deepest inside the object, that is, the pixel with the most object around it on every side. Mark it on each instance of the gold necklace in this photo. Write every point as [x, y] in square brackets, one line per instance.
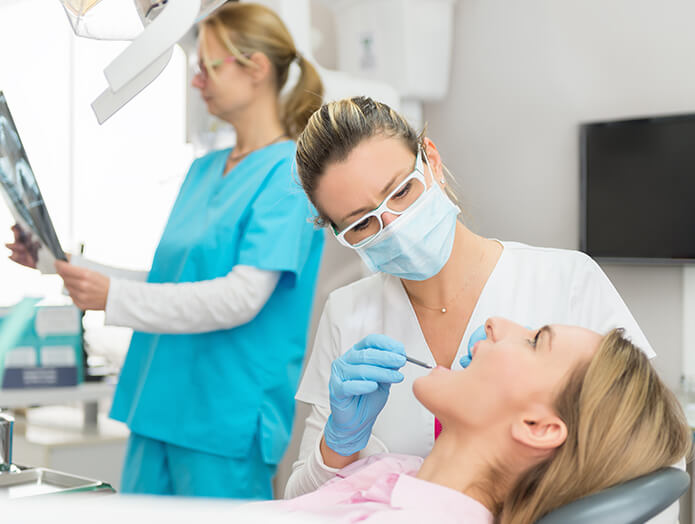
[441, 309]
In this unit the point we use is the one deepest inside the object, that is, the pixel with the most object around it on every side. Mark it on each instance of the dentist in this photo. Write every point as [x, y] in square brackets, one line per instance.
[382, 190]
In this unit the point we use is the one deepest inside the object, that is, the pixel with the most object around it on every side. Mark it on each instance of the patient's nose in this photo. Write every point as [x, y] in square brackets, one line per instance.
[491, 329]
[497, 328]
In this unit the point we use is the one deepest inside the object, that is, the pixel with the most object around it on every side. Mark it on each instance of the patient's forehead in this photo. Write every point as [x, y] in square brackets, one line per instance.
[575, 340]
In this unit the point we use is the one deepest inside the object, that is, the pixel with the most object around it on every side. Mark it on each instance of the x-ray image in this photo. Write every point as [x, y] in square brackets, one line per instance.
[21, 192]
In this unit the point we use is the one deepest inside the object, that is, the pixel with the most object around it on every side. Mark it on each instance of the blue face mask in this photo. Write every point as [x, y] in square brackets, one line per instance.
[418, 243]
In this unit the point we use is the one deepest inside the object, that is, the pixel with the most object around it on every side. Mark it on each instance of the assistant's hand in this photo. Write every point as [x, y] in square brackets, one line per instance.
[24, 250]
[358, 390]
[88, 289]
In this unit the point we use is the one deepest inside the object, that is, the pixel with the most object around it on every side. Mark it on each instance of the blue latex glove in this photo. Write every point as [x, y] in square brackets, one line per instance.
[478, 334]
[358, 390]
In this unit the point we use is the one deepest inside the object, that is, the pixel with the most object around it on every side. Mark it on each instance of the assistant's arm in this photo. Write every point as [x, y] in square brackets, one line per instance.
[191, 307]
[109, 271]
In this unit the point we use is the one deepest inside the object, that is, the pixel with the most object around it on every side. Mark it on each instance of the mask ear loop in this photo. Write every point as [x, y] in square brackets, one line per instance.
[427, 161]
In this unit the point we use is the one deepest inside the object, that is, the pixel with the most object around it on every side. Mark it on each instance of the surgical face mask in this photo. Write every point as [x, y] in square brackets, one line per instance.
[417, 244]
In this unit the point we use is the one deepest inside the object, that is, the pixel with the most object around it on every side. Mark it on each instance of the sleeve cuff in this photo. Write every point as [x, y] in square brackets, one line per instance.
[323, 473]
[318, 469]
[111, 311]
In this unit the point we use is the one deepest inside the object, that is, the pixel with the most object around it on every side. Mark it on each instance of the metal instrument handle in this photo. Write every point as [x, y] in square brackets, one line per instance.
[6, 424]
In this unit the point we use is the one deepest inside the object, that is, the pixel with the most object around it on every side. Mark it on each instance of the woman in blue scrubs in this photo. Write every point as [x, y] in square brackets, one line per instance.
[221, 317]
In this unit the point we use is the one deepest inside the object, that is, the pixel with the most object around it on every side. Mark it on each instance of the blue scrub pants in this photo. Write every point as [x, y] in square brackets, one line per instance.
[153, 467]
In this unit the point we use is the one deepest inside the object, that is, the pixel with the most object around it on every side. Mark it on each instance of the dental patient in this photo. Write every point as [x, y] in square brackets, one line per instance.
[538, 419]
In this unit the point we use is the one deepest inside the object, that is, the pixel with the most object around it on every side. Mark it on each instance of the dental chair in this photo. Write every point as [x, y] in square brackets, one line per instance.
[635, 501]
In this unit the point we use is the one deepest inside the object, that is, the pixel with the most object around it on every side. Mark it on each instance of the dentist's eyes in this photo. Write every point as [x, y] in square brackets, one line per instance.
[362, 225]
[404, 191]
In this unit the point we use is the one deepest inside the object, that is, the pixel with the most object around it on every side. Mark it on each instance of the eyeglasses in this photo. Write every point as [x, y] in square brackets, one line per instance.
[203, 69]
[366, 228]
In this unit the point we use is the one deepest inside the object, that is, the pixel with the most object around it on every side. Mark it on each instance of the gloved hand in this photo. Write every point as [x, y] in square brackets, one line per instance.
[358, 390]
[478, 334]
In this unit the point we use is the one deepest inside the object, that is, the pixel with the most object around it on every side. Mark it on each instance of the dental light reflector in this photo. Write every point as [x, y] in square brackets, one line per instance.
[121, 19]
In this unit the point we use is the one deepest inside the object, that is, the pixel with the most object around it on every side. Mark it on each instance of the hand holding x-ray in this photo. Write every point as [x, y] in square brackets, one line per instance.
[25, 248]
[36, 242]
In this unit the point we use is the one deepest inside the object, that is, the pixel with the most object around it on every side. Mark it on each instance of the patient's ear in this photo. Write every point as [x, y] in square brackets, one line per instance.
[540, 431]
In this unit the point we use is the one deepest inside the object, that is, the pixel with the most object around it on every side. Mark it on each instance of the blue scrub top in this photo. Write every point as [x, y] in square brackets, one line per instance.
[214, 392]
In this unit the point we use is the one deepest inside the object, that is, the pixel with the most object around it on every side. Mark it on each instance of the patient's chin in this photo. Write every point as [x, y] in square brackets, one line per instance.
[427, 391]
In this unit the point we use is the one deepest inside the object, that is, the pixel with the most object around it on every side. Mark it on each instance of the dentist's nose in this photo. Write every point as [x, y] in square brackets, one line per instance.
[387, 218]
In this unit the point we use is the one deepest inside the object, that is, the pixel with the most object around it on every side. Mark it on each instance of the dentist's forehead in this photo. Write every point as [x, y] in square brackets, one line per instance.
[358, 181]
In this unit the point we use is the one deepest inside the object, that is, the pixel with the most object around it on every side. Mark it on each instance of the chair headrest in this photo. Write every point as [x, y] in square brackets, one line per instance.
[634, 501]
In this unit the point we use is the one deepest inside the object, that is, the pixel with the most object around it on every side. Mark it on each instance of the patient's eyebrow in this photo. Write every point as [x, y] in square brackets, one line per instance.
[551, 334]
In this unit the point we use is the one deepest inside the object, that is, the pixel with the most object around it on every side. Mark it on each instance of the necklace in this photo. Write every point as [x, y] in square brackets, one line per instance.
[236, 158]
[441, 309]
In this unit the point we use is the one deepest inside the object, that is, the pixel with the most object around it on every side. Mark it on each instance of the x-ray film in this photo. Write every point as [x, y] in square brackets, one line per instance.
[21, 192]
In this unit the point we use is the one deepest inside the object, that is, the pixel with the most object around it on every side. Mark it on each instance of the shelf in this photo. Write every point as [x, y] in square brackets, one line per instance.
[88, 392]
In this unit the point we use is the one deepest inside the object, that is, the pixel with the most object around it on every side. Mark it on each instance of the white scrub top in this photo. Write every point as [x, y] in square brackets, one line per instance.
[529, 285]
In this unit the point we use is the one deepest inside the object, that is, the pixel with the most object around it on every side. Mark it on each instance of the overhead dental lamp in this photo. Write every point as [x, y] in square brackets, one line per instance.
[154, 26]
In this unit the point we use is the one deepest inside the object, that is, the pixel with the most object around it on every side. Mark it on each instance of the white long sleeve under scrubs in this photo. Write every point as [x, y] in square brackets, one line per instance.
[190, 307]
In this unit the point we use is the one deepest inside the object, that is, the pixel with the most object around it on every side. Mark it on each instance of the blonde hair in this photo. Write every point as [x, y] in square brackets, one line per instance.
[246, 28]
[622, 422]
[337, 128]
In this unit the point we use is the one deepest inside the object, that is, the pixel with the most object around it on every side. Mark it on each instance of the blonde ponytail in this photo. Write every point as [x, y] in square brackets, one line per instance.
[246, 28]
[305, 98]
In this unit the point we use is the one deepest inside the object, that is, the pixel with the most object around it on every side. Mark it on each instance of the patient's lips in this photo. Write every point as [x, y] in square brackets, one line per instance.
[475, 348]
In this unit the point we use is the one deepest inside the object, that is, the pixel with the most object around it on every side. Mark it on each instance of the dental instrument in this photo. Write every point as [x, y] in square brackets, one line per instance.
[417, 362]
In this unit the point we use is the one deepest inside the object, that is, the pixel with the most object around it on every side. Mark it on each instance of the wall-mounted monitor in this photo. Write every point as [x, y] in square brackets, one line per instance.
[638, 189]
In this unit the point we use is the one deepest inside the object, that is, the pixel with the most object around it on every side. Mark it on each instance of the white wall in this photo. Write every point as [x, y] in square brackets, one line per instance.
[109, 187]
[524, 75]
[34, 59]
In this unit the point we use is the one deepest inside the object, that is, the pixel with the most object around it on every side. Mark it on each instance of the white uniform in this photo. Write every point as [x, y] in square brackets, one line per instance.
[529, 285]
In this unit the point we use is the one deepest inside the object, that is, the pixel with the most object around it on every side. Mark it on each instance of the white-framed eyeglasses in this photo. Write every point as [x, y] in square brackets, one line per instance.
[367, 228]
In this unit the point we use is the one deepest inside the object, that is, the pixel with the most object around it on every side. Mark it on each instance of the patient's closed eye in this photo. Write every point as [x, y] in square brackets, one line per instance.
[533, 343]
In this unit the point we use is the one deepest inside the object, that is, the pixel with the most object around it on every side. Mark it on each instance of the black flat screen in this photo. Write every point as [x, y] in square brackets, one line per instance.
[638, 189]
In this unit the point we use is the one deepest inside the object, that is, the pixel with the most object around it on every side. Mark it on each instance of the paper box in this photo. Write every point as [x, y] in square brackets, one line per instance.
[40, 344]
